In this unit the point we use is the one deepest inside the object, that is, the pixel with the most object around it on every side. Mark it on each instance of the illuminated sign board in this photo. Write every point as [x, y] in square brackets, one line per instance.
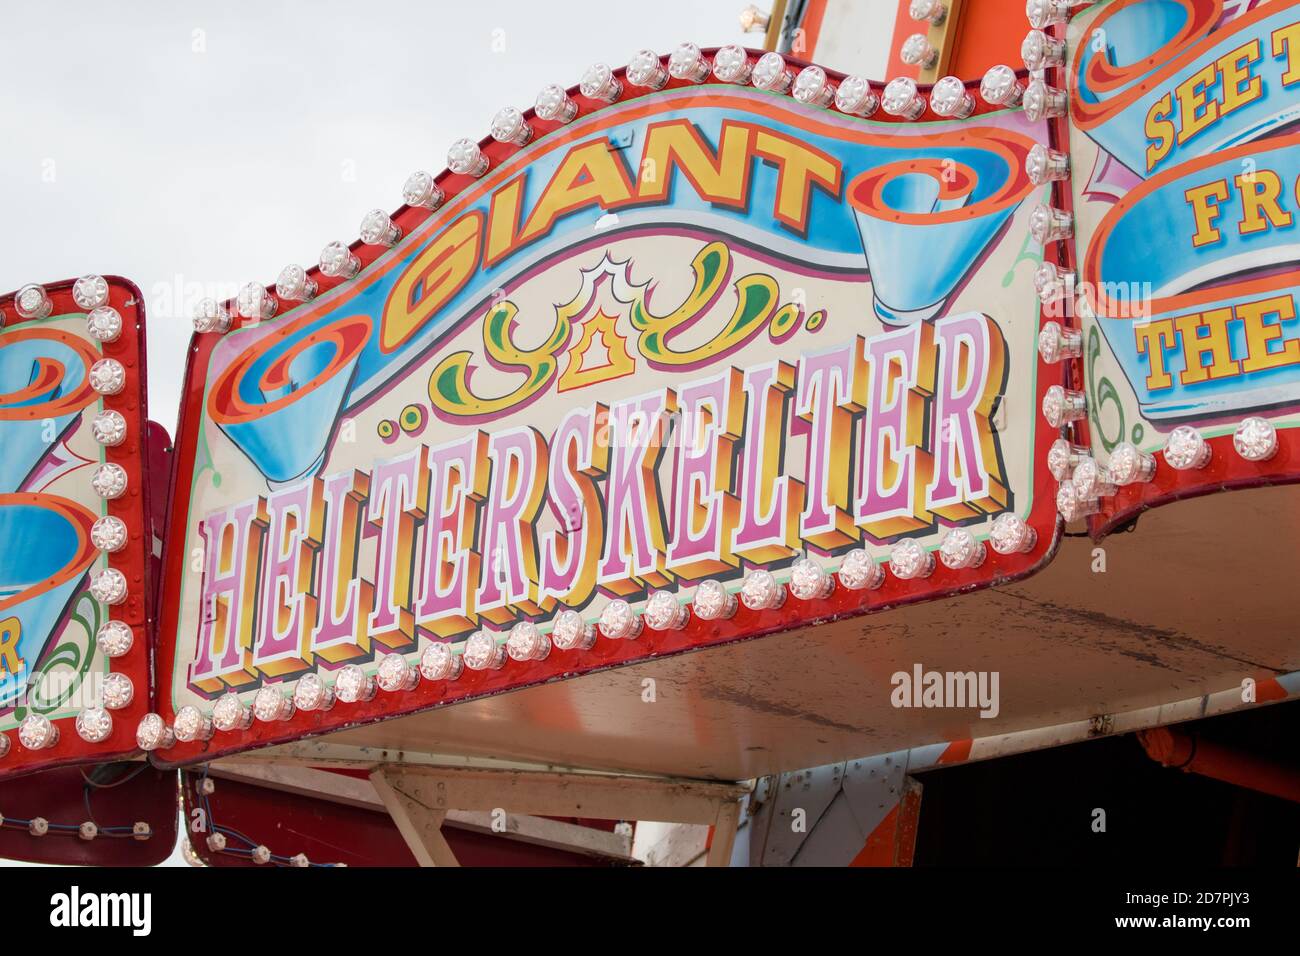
[74, 586]
[674, 367]
[1185, 198]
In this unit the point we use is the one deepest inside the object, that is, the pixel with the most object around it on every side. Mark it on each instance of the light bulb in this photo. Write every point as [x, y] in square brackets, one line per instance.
[901, 98]
[440, 662]
[918, 51]
[1043, 101]
[1041, 51]
[394, 675]
[90, 292]
[855, 97]
[909, 561]
[1255, 439]
[109, 480]
[295, 285]
[688, 63]
[809, 581]
[1129, 465]
[555, 105]
[107, 377]
[1001, 87]
[1048, 224]
[211, 316]
[108, 586]
[1063, 405]
[254, 302]
[858, 572]
[761, 592]
[378, 229]
[770, 74]
[114, 638]
[104, 324]
[33, 302]
[229, 714]
[1043, 165]
[663, 613]
[352, 685]
[192, 725]
[731, 64]
[813, 87]
[94, 725]
[960, 549]
[619, 621]
[569, 632]
[949, 98]
[1010, 534]
[108, 533]
[527, 643]
[644, 69]
[271, 704]
[713, 602]
[509, 126]
[152, 733]
[482, 653]
[464, 157]
[1063, 457]
[1186, 450]
[108, 428]
[421, 190]
[37, 732]
[311, 693]
[929, 11]
[1056, 343]
[600, 83]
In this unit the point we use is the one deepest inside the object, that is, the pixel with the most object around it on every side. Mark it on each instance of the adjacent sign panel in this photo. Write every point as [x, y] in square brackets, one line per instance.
[74, 586]
[692, 335]
[1185, 198]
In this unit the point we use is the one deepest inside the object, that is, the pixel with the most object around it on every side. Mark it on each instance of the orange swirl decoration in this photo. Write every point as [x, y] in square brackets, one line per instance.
[925, 221]
[956, 179]
[44, 378]
[30, 514]
[278, 400]
[51, 372]
[47, 550]
[1129, 81]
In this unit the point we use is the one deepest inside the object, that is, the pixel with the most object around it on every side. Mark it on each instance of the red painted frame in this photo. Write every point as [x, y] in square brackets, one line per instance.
[133, 560]
[697, 635]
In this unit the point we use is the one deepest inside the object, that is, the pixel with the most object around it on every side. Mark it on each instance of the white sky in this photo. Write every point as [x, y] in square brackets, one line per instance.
[195, 145]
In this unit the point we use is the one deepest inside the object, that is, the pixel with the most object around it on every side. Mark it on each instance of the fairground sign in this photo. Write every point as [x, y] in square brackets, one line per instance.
[74, 586]
[1185, 196]
[675, 367]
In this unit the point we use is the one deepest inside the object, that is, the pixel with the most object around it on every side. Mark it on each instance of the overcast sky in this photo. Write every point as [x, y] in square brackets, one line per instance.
[193, 145]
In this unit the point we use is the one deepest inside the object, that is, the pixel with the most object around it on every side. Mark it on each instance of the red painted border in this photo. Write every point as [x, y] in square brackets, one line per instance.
[697, 635]
[133, 561]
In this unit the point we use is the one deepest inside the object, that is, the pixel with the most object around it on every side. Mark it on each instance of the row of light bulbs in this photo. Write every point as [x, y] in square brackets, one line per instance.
[619, 620]
[109, 533]
[1084, 482]
[40, 826]
[811, 85]
[218, 843]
